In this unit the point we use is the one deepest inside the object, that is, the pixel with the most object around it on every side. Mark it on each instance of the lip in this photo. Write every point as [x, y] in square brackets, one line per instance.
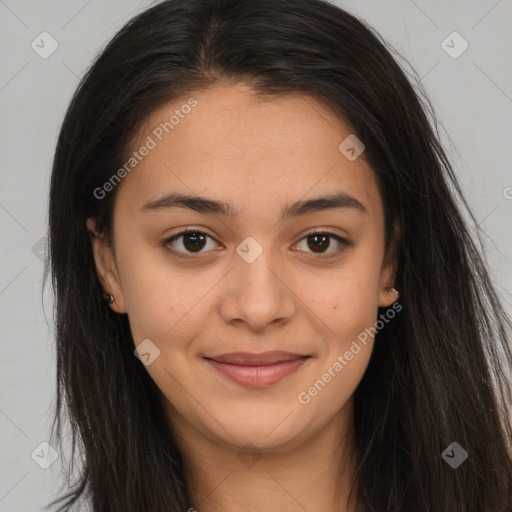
[254, 359]
[256, 370]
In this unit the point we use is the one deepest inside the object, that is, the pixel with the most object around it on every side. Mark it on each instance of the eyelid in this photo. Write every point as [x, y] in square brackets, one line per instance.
[185, 231]
[344, 242]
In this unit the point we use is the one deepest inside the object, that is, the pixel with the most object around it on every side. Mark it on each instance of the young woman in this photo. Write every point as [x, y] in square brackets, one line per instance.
[297, 316]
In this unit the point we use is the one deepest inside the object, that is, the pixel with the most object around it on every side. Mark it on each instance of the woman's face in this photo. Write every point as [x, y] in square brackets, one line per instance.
[254, 279]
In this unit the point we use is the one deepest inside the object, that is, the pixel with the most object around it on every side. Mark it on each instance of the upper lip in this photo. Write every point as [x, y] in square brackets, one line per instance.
[261, 359]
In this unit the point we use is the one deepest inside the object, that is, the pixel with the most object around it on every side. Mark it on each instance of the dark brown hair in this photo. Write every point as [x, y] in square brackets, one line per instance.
[438, 372]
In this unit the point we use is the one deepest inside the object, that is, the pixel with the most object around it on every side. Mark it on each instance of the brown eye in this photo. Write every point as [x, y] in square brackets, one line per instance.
[192, 242]
[320, 242]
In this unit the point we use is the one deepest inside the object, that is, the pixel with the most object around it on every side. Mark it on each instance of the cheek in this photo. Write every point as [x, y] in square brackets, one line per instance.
[347, 345]
[351, 339]
[345, 299]
[158, 296]
[346, 302]
[166, 309]
[163, 309]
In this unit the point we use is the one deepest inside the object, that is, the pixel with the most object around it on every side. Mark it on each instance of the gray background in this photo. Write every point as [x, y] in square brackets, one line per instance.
[472, 95]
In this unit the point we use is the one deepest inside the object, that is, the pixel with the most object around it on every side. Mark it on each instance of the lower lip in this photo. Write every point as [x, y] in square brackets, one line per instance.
[258, 376]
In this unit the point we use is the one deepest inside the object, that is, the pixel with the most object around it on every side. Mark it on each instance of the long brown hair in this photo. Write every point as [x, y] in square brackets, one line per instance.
[438, 372]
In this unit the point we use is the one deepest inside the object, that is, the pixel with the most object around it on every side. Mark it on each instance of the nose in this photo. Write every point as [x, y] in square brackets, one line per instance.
[257, 293]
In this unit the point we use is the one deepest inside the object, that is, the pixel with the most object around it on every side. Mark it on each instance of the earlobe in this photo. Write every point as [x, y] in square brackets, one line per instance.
[387, 294]
[392, 296]
[106, 269]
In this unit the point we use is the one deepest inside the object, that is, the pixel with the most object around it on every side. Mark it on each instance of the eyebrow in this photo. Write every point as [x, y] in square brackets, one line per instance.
[211, 206]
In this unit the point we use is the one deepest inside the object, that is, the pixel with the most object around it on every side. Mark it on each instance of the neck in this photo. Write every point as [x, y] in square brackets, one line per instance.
[313, 473]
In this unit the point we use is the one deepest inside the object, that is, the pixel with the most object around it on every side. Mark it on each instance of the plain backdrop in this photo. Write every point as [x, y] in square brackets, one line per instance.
[471, 92]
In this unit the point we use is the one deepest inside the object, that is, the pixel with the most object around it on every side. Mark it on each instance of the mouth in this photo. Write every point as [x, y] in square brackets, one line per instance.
[257, 370]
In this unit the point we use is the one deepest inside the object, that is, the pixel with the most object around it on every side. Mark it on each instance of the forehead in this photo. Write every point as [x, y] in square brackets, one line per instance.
[246, 149]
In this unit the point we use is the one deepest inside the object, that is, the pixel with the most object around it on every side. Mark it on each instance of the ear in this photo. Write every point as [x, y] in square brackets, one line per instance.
[106, 267]
[389, 270]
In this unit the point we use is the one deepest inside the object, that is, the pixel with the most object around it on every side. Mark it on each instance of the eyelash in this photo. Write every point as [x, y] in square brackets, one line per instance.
[344, 243]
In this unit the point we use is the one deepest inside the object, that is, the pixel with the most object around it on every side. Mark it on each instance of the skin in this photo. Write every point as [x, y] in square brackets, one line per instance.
[260, 155]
